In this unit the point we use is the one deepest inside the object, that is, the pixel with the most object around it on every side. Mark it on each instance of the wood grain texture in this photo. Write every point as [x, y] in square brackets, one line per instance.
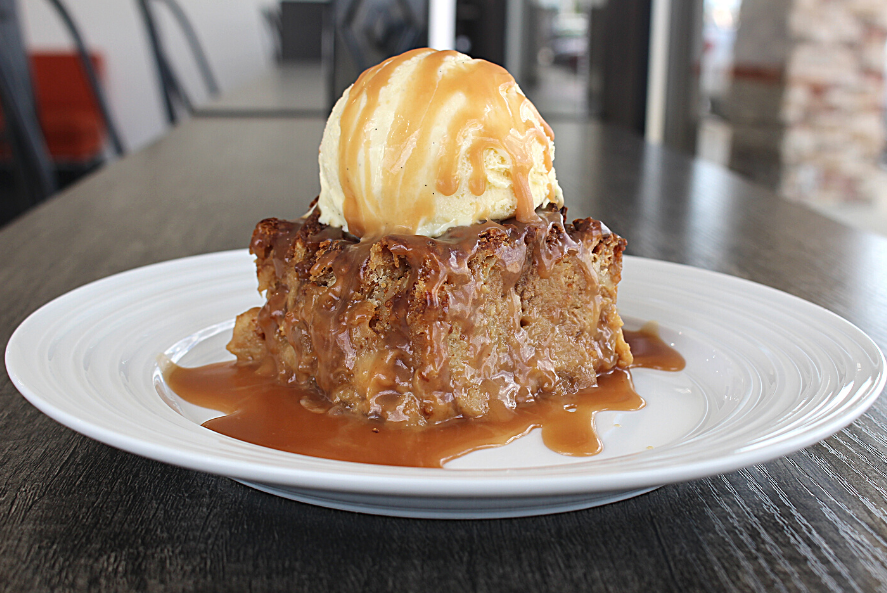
[78, 515]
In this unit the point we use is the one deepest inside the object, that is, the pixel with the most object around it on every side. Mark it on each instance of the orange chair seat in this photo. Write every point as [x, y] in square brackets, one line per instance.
[68, 112]
[72, 135]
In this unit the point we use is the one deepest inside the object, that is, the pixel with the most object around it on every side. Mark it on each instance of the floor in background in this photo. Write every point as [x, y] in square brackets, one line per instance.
[559, 93]
[290, 87]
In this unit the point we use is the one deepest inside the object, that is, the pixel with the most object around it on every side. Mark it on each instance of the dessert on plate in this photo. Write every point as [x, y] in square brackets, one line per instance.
[435, 277]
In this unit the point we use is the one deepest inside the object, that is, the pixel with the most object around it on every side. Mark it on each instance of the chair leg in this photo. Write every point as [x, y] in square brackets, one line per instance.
[191, 37]
[91, 76]
[159, 60]
[171, 88]
[20, 111]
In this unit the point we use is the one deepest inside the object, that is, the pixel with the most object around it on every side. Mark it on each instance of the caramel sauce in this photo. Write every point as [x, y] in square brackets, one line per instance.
[320, 320]
[259, 410]
[650, 351]
[490, 113]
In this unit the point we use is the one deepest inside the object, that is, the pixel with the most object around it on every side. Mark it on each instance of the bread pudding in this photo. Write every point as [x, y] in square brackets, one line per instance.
[417, 331]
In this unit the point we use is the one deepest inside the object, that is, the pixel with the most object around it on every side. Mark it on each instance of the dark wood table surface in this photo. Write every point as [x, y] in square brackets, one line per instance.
[78, 515]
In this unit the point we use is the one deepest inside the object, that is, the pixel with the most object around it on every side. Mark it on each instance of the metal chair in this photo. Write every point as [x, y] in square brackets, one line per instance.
[91, 75]
[33, 165]
[369, 31]
[171, 88]
[33, 168]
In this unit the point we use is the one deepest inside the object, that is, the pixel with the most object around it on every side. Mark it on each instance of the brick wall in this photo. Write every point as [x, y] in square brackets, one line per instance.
[807, 99]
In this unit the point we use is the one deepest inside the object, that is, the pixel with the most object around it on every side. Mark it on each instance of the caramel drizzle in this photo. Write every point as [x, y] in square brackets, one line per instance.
[489, 116]
[341, 319]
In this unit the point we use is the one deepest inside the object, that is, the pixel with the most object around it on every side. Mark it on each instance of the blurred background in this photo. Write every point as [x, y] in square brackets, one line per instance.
[788, 93]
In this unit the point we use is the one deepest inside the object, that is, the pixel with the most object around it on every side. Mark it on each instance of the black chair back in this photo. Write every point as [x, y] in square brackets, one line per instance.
[171, 88]
[32, 164]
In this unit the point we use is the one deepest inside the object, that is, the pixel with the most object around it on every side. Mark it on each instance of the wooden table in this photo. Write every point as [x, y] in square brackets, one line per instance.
[78, 515]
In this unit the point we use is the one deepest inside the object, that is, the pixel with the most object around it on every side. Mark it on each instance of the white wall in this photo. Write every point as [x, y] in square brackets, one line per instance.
[232, 33]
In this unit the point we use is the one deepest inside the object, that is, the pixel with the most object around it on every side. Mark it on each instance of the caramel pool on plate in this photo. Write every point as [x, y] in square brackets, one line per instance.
[257, 409]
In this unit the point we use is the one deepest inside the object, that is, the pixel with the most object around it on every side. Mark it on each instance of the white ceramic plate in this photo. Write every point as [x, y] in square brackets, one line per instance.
[767, 374]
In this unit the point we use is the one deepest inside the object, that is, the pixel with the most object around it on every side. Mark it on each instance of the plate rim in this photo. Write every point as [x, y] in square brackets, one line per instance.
[341, 476]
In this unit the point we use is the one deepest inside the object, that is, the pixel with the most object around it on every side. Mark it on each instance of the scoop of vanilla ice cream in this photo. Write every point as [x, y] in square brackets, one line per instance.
[430, 140]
